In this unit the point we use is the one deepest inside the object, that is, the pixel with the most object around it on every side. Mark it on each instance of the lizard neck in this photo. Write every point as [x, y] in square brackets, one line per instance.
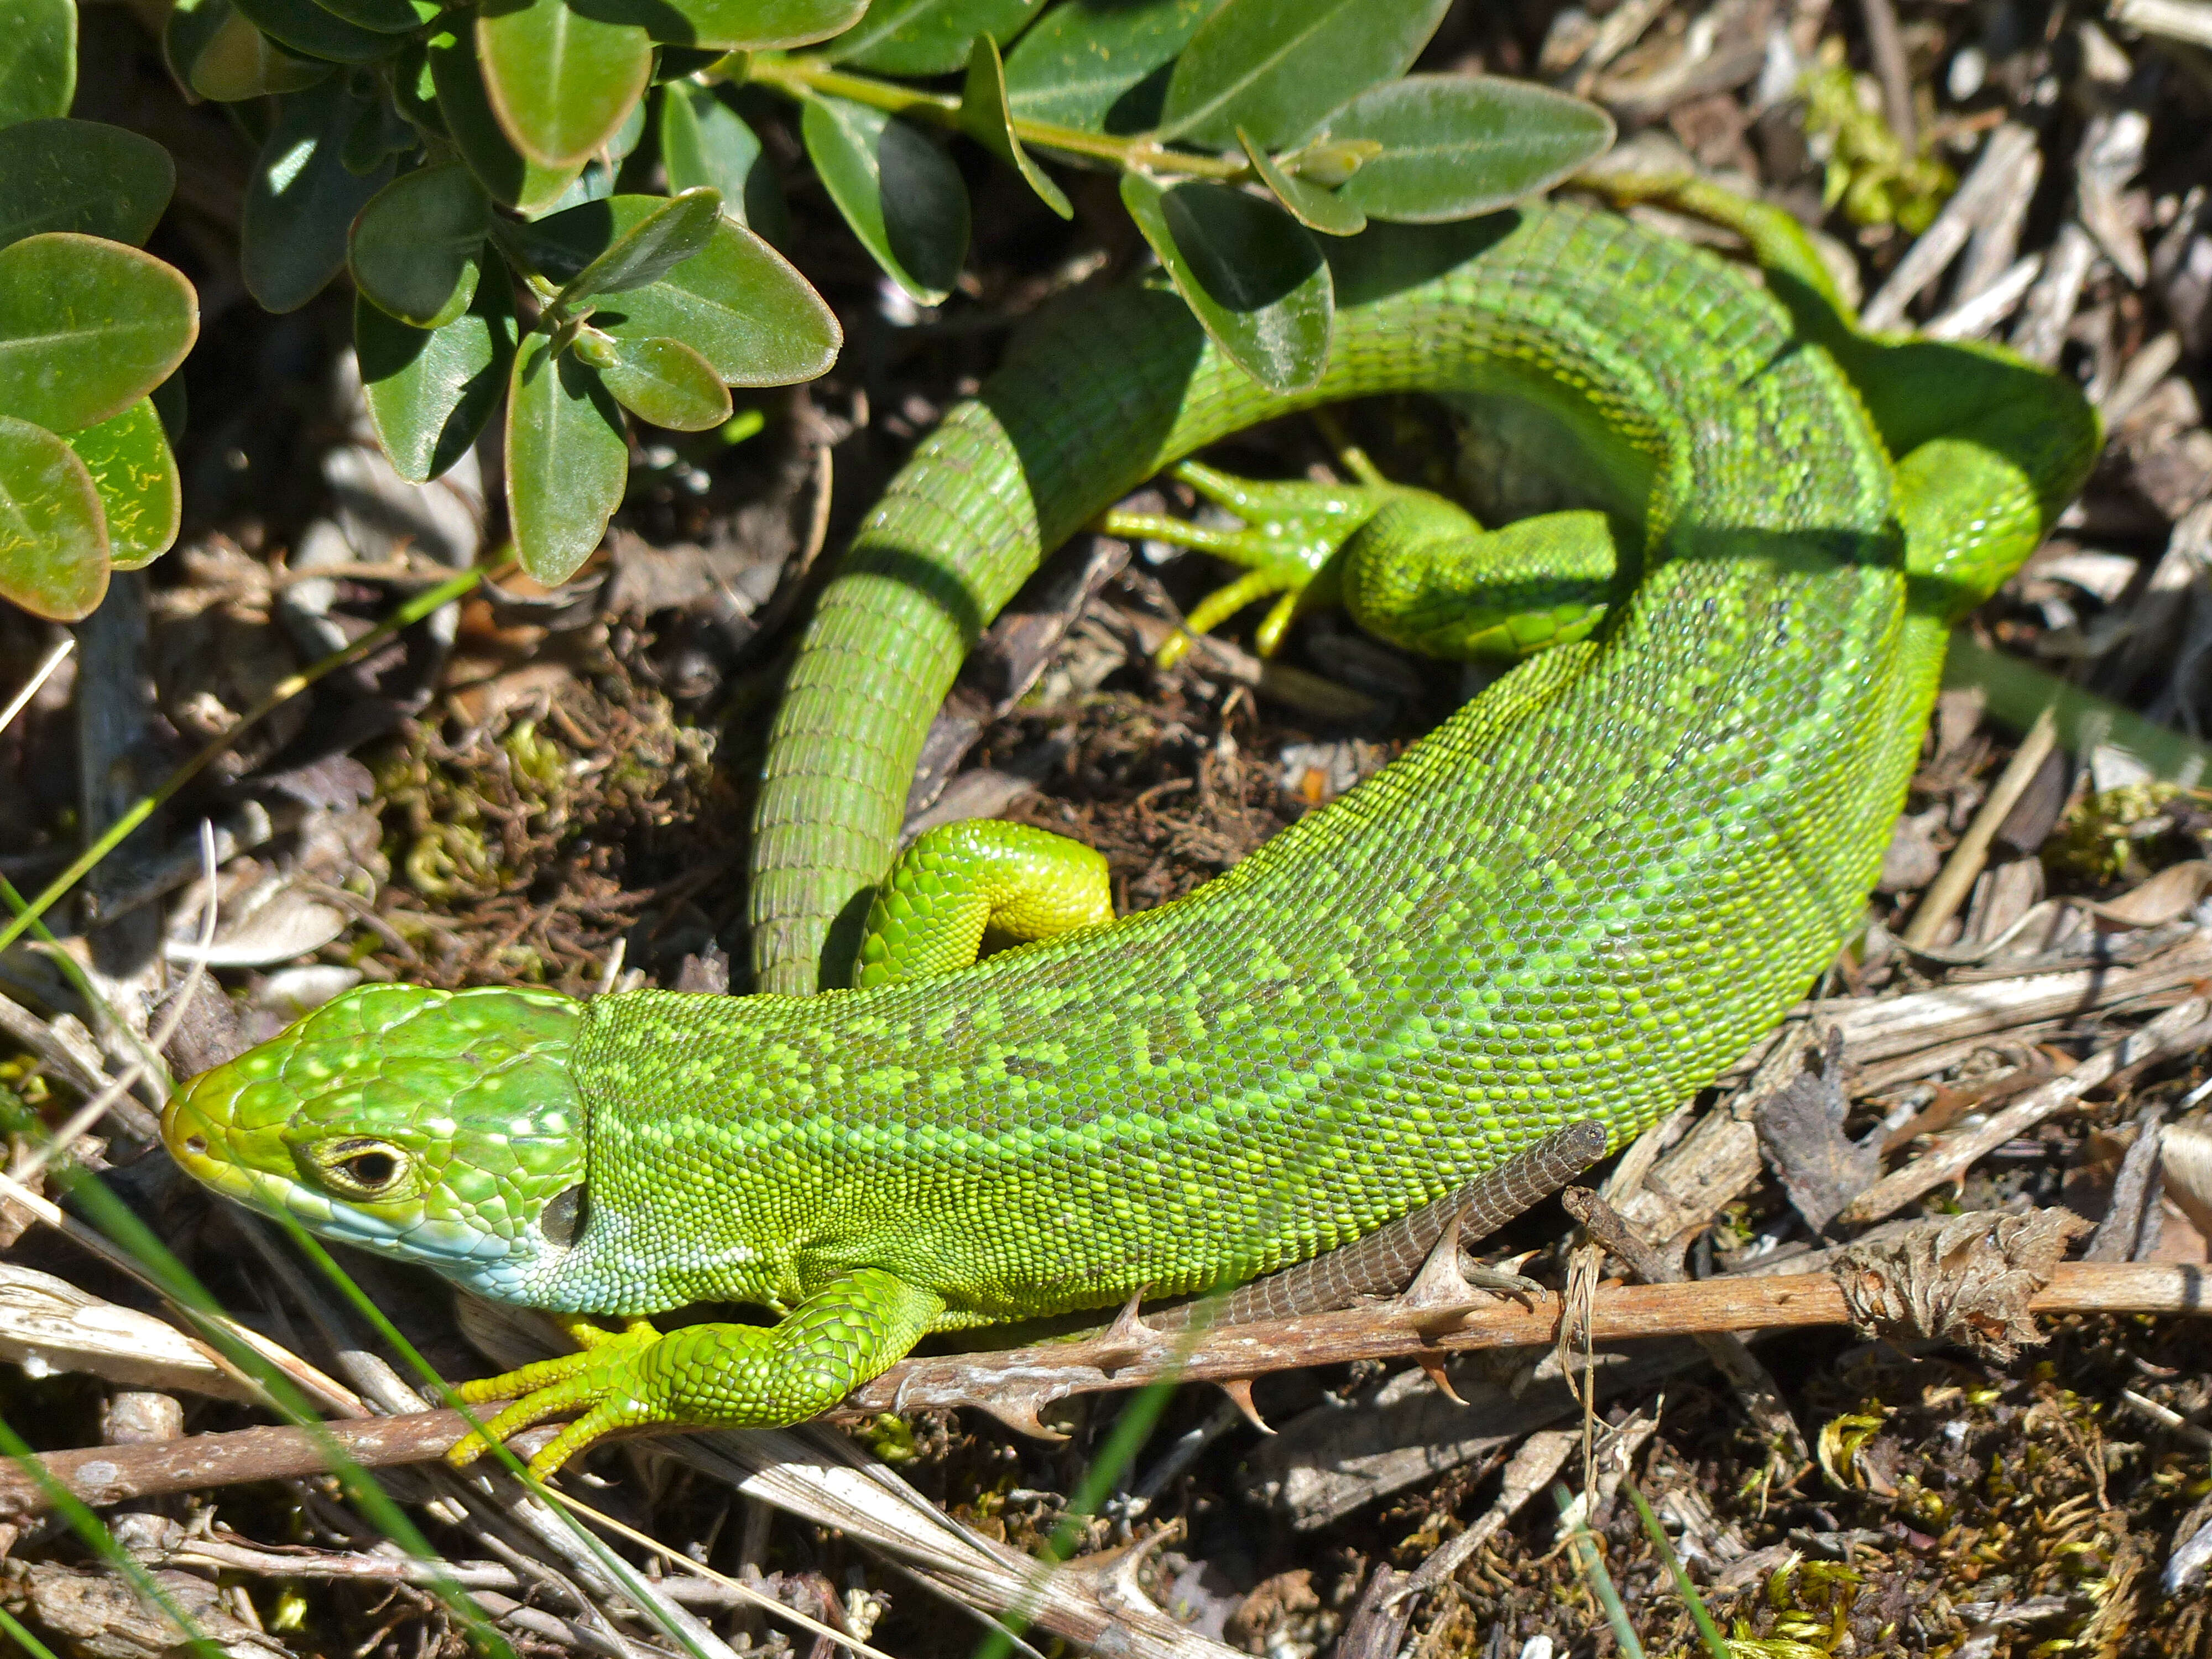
[647, 1244]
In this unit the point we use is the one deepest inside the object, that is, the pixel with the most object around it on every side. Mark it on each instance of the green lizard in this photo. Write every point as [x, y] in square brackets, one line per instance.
[1583, 893]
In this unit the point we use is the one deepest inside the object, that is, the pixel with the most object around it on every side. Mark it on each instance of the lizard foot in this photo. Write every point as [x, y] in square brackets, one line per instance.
[713, 1375]
[1290, 533]
[605, 1376]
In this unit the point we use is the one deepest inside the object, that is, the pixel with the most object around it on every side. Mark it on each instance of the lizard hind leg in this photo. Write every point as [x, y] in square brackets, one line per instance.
[1411, 566]
[1291, 533]
[962, 885]
[1422, 574]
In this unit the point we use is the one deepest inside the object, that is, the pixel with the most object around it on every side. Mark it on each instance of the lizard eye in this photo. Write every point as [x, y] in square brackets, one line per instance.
[360, 1168]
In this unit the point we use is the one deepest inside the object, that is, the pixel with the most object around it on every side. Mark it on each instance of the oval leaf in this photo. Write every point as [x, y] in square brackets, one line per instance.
[384, 16]
[900, 193]
[219, 55]
[704, 141]
[926, 36]
[140, 498]
[738, 303]
[662, 239]
[1249, 274]
[53, 542]
[749, 25]
[510, 176]
[985, 118]
[416, 247]
[1276, 67]
[38, 66]
[84, 176]
[1457, 145]
[1309, 204]
[1100, 65]
[431, 393]
[665, 382]
[567, 460]
[88, 327]
[561, 84]
[301, 200]
[307, 28]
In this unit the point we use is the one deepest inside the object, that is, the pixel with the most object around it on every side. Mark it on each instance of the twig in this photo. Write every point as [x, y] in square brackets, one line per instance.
[40, 675]
[1732, 1357]
[2166, 1418]
[223, 1554]
[1994, 177]
[110, 1474]
[97, 1108]
[1532, 1468]
[1887, 47]
[2181, 1027]
[1950, 887]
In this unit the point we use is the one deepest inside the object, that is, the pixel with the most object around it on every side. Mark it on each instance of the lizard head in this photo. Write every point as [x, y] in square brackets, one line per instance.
[435, 1127]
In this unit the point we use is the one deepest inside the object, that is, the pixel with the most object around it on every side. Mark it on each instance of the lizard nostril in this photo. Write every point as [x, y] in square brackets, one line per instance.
[196, 1144]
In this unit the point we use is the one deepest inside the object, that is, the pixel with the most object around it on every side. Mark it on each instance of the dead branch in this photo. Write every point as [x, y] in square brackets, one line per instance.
[1015, 1384]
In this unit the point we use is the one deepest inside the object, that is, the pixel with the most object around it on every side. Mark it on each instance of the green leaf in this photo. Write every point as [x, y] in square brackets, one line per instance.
[38, 59]
[130, 467]
[82, 175]
[665, 382]
[567, 460]
[985, 118]
[301, 201]
[926, 36]
[416, 247]
[219, 55]
[746, 25]
[1309, 204]
[645, 250]
[561, 84]
[88, 327]
[628, 137]
[381, 135]
[414, 91]
[900, 193]
[510, 175]
[384, 16]
[1252, 276]
[431, 392]
[1457, 145]
[738, 303]
[704, 141]
[1276, 67]
[1100, 65]
[53, 542]
[308, 29]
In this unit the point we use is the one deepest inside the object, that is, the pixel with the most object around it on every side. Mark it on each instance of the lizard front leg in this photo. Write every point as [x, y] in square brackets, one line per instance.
[730, 1377]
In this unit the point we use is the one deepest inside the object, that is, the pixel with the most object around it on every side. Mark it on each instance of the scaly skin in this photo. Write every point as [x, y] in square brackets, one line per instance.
[1581, 895]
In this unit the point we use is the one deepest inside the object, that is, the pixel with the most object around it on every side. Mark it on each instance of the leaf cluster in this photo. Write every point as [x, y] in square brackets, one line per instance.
[91, 329]
[562, 213]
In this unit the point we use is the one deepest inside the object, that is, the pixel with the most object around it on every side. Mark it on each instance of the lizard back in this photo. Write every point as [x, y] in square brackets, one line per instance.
[1581, 895]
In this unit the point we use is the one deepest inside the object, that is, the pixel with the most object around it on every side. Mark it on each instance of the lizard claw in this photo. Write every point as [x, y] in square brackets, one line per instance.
[1291, 531]
[602, 1376]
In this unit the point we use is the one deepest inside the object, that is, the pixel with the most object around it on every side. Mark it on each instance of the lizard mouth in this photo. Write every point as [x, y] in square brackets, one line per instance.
[193, 1134]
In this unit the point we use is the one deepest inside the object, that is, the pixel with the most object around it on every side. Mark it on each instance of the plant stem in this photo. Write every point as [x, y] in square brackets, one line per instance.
[797, 76]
